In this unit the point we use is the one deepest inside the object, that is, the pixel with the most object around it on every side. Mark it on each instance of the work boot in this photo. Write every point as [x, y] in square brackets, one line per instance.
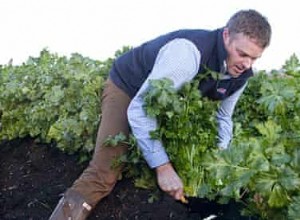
[71, 206]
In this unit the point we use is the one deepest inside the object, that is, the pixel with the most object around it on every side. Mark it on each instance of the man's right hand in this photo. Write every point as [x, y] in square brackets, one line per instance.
[169, 181]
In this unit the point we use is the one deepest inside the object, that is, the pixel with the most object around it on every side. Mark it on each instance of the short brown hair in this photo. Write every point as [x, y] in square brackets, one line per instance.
[252, 24]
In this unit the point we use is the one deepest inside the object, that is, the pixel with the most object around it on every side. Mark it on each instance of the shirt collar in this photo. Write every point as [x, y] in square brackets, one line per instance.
[222, 53]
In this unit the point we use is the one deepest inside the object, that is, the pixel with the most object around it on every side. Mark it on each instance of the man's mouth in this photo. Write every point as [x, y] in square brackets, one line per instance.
[239, 68]
[236, 71]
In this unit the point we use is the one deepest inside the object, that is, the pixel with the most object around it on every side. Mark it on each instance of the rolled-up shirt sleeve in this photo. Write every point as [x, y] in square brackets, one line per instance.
[179, 61]
[224, 118]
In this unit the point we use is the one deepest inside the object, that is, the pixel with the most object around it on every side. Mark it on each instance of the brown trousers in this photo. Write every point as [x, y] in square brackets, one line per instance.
[99, 178]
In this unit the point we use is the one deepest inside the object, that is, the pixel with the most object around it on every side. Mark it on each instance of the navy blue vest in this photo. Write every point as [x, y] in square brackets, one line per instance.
[131, 69]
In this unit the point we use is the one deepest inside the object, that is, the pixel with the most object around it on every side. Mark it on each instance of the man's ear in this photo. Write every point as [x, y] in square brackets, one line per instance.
[226, 35]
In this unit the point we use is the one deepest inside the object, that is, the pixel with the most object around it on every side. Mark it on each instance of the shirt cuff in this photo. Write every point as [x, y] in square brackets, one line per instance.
[222, 146]
[156, 158]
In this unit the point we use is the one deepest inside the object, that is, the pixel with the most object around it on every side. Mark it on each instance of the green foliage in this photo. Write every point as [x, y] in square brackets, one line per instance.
[262, 165]
[264, 154]
[292, 66]
[187, 127]
[54, 99]
[57, 99]
[294, 209]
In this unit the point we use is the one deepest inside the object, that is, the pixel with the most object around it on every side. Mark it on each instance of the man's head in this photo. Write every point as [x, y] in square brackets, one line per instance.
[246, 35]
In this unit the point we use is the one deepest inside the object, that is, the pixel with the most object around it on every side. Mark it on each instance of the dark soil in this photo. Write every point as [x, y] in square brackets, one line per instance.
[33, 177]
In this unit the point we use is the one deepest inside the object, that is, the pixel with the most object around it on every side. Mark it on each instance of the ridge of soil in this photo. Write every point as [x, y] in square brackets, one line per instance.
[33, 177]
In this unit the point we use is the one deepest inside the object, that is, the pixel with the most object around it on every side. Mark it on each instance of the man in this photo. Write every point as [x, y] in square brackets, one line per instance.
[179, 56]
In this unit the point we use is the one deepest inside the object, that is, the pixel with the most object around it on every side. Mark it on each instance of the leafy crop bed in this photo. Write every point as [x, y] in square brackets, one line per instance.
[55, 101]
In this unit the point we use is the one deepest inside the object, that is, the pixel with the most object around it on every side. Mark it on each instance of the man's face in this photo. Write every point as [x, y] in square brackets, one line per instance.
[242, 52]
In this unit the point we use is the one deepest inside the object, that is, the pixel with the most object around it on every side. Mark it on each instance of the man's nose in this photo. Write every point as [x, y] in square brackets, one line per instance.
[247, 63]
